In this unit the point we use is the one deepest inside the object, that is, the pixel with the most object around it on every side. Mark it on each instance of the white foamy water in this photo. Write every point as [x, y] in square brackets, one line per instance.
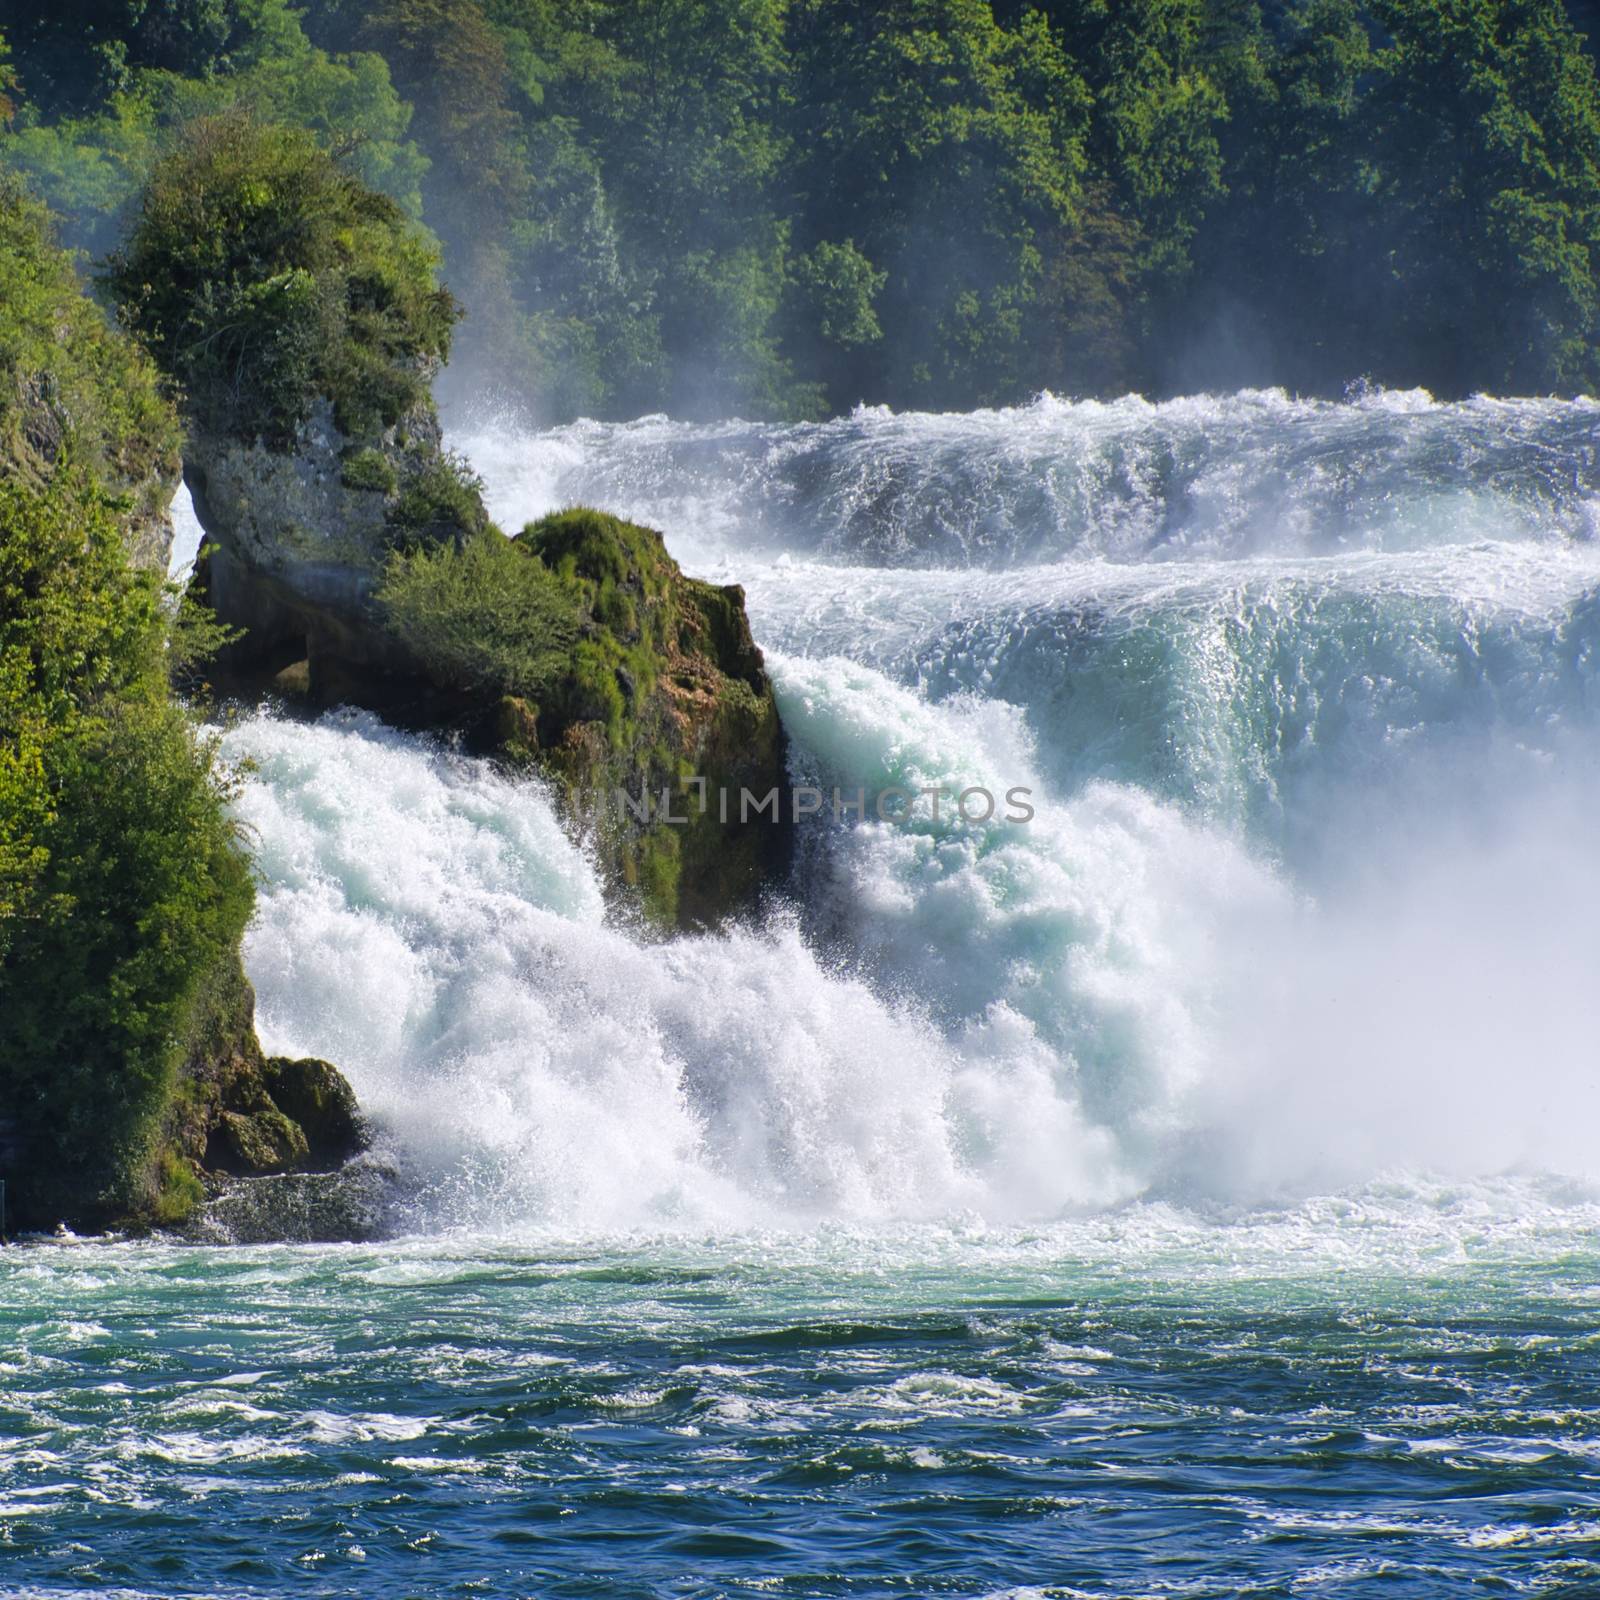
[1303, 696]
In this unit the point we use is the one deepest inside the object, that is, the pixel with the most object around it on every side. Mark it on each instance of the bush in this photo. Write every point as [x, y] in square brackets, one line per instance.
[369, 470]
[482, 617]
[441, 502]
[265, 277]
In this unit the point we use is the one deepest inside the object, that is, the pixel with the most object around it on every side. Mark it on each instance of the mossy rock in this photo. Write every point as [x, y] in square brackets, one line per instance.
[179, 1192]
[263, 1141]
[599, 663]
[239, 1113]
[315, 1095]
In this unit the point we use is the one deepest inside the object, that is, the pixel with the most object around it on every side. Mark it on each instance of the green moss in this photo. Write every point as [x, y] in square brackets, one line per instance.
[260, 1140]
[314, 1096]
[592, 690]
[660, 873]
[179, 1193]
[369, 470]
[264, 277]
[595, 548]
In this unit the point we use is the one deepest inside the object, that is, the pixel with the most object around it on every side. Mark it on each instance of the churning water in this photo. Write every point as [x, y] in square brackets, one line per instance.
[1191, 1191]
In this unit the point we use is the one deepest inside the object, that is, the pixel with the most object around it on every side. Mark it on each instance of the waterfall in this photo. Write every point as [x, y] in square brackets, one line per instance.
[1303, 697]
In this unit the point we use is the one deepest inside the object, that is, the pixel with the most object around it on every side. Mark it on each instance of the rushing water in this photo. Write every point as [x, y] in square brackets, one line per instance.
[1190, 1191]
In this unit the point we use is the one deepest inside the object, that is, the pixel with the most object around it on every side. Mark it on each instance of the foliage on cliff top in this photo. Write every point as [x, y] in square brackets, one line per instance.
[580, 615]
[66, 377]
[121, 880]
[554, 615]
[264, 277]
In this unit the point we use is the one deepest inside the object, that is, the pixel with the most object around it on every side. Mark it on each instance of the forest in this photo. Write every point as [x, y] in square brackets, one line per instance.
[784, 208]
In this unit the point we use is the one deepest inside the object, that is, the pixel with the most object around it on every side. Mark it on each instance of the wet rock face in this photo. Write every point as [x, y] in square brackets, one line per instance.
[298, 542]
[359, 1202]
[240, 1113]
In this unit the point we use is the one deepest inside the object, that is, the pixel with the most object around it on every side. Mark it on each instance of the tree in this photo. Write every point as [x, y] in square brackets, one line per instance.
[680, 100]
[1489, 117]
[944, 148]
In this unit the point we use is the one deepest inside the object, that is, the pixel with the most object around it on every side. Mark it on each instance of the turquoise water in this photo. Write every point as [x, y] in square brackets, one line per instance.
[1393, 1392]
[1190, 1193]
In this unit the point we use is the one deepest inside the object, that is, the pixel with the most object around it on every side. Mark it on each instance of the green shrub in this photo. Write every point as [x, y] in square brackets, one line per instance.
[482, 616]
[441, 502]
[371, 470]
[265, 277]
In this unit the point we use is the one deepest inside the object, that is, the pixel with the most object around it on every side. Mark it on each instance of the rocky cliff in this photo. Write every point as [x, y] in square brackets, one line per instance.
[366, 572]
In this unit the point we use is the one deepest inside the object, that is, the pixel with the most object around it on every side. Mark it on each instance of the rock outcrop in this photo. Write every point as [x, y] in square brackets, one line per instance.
[300, 315]
[240, 1113]
[661, 728]
[578, 650]
[298, 534]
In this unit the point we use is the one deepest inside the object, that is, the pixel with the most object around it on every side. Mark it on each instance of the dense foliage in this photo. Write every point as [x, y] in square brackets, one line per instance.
[121, 883]
[482, 617]
[262, 274]
[786, 206]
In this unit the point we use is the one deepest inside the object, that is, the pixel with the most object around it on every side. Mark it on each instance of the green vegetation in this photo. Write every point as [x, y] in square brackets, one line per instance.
[66, 376]
[565, 616]
[781, 207]
[482, 617]
[369, 470]
[599, 660]
[121, 882]
[131, 884]
[629, 588]
[440, 501]
[110, 86]
[264, 276]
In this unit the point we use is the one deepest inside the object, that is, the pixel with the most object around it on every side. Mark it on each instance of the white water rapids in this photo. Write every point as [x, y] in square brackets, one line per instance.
[1306, 698]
